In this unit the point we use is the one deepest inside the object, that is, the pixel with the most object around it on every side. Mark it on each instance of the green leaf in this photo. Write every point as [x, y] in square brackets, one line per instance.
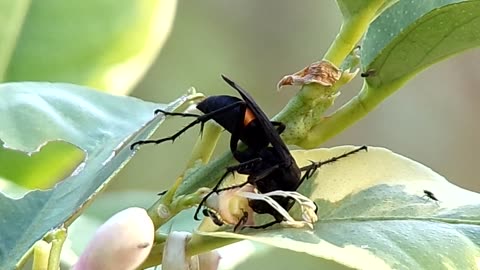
[265, 257]
[105, 44]
[33, 171]
[412, 35]
[373, 215]
[10, 189]
[100, 125]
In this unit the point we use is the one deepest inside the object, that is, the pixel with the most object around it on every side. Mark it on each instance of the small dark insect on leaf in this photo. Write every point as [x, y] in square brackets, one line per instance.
[430, 195]
[368, 73]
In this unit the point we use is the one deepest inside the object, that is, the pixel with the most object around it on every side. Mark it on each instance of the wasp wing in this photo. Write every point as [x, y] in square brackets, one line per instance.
[273, 137]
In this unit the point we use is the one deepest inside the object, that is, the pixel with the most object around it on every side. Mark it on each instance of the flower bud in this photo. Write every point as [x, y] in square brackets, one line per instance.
[123, 242]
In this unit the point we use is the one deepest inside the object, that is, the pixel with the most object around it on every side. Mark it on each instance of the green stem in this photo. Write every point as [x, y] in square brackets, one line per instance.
[58, 238]
[202, 152]
[307, 108]
[197, 245]
[155, 257]
[200, 244]
[368, 99]
[351, 32]
[205, 145]
[41, 251]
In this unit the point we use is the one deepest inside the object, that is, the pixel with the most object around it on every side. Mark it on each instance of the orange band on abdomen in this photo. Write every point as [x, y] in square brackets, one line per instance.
[249, 117]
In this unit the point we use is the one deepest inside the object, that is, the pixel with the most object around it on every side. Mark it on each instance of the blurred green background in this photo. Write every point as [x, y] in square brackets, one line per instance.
[433, 119]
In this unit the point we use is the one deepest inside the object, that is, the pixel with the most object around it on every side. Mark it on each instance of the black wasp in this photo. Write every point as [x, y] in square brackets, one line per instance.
[266, 159]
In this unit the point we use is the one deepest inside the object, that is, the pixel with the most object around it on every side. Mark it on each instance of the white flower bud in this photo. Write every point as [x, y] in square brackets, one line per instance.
[121, 243]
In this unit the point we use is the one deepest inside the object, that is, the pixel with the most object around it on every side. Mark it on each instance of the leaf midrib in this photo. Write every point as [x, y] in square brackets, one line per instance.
[401, 218]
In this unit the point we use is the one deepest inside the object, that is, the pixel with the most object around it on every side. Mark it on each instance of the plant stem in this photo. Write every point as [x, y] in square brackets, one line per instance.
[344, 43]
[202, 152]
[58, 238]
[198, 244]
[204, 147]
[351, 32]
[41, 251]
[368, 99]
[307, 108]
